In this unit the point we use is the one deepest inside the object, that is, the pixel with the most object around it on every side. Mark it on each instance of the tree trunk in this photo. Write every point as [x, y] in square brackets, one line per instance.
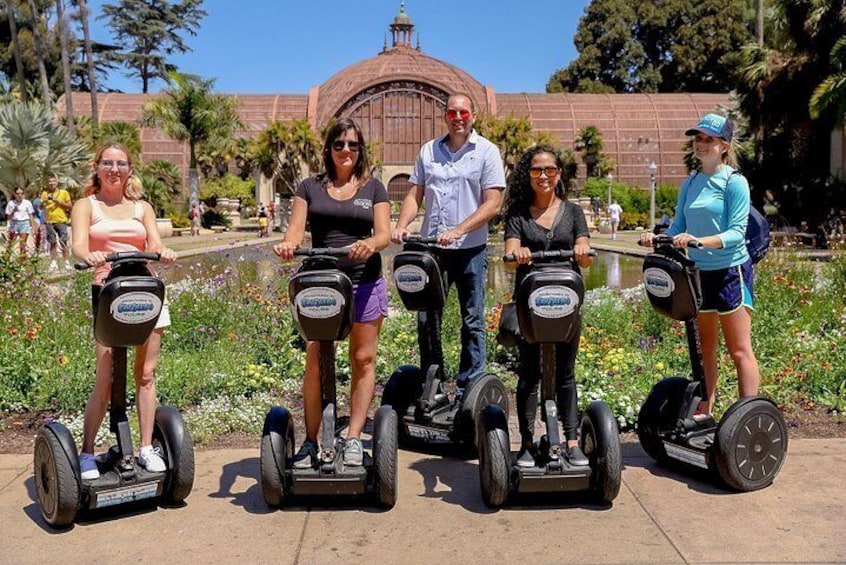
[39, 53]
[13, 29]
[89, 59]
[193, 177]
[63, 41]
[759, 22]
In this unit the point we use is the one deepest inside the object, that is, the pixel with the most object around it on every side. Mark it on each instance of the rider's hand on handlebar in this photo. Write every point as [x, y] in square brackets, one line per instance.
[285, 250]
[445, 238]
[398, 234]
[362, 249]
[683, 240]
[96, 258]
[166, 255]
[580, 254]
[523, 255]
[646, 239]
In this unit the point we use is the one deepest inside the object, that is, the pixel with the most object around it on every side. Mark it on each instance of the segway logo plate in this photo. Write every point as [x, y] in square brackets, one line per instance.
[658, 283]
[410, 278]
[553, 301]
[124, 495]
[135, 307]
[428, 434]
[319, 303]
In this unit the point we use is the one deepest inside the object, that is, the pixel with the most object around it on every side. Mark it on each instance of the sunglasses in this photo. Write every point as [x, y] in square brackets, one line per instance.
[107, 165]
[536, 172]
[339, 145]
[453, 114]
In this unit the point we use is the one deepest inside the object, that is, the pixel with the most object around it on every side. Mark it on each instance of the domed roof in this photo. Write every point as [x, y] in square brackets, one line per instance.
[402, 18]
[395, 65]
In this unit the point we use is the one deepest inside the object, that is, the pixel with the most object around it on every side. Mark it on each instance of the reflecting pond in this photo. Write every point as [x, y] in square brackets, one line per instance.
[258, 264]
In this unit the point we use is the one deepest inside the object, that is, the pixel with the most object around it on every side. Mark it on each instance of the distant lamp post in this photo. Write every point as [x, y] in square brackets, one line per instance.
[610, 178]
[653, 168]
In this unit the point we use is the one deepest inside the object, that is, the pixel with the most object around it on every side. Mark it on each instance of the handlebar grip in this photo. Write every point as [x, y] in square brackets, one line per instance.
[541, 255]
[329, 251]
[120, 255]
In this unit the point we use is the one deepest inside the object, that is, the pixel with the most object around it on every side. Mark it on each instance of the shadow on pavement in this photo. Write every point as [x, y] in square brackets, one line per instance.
[696, 479]
[462, 478]
[251, 499]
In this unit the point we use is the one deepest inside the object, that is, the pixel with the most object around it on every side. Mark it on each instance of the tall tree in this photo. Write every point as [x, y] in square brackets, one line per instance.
[189, 110]
[13, 28]
[66, 73]
[666, 46]
[34, 18]
[148, 31]
[89, 58]
[285, 151]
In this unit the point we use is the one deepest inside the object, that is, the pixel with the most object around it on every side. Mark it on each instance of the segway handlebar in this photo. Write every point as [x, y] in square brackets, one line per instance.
[419, 239]
[549, 255]
[662, 240]
[121, 255]
[324, 251]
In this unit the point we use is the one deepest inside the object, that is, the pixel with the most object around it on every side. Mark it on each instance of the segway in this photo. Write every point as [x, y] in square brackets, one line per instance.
[748, 446]
[549, 303]
[126, 313]
[322, 307]
[426, 413]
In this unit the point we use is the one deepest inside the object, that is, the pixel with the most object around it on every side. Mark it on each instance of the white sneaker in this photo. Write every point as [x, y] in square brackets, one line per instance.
[88, 467]
[151, 460]
[53, 266]
[68, 265]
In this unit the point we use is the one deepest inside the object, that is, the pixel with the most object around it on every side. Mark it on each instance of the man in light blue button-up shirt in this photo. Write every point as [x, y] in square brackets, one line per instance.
[462, 178]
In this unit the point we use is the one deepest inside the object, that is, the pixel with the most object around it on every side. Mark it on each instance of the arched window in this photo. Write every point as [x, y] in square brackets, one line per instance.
[398, 188]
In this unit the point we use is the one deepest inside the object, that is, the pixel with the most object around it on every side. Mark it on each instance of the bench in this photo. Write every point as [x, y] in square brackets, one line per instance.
[218, 229]
[179, 232]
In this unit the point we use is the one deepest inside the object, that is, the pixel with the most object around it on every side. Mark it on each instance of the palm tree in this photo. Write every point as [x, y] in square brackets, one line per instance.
[831, 92]
[31, 144]
[13, 29]
[63, 42]
[285, 151]
[189, 111]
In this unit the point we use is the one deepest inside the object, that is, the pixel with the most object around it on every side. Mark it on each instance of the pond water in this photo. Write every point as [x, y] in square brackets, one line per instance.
[259, 264]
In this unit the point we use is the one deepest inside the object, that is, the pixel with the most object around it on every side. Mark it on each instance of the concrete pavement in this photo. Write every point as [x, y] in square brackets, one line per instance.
[659, 517]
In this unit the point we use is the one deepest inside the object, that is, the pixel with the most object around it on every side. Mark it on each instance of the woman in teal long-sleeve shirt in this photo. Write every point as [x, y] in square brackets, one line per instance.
[713, 208]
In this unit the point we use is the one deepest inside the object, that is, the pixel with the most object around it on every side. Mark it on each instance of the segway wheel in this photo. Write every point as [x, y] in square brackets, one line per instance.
[171, 436]
[750, 444]
[484, 390]
[600, 442]
[385, 456]
[659, 413]
[494, 456]
[277, 451]
[56, 478]
[402, 390]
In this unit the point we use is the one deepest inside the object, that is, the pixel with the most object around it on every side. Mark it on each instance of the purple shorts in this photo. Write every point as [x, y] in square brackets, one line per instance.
[726, 290]
[370, 300]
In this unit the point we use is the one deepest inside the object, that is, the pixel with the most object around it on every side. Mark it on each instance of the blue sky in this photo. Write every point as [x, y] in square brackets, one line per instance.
[285, 46]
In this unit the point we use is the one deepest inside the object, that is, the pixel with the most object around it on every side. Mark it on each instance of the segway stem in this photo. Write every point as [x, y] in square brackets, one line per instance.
[328, 399]
[118, 421]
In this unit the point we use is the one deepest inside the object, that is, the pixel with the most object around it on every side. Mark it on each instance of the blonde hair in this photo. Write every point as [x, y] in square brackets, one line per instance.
[729, 156]
[132, 188]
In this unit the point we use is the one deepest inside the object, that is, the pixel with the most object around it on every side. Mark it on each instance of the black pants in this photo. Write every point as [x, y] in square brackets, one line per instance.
[565, 387]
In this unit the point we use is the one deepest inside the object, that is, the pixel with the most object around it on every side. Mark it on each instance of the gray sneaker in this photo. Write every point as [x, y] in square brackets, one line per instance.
[306, 456]
[353, 452]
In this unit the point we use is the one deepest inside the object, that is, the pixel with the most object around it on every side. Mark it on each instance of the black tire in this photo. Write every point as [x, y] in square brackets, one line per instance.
[402, 390]
[494, 456]
[600, 442]
[385, 456]
[750, 444]
[659, 412]
[277, 451]
[56, 476]
[171, 435]
[484, 390]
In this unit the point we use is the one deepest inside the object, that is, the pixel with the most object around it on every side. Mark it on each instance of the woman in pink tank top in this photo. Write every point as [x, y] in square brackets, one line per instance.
[113, 218]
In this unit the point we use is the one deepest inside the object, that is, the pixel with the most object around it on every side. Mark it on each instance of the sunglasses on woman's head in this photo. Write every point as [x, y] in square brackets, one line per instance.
[535, 172]
[338, 145]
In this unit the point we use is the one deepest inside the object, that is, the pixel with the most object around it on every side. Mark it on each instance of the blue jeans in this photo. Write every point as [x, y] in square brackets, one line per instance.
[467, 269]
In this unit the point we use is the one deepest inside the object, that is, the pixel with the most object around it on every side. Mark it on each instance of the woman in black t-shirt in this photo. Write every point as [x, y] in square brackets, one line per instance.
[344, 206]
[535, 194]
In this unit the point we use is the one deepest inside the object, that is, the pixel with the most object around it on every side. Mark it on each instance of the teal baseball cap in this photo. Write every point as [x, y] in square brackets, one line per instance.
[713, 125]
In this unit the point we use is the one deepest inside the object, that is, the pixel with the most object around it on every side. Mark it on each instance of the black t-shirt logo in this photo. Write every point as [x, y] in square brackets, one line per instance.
[363, 203]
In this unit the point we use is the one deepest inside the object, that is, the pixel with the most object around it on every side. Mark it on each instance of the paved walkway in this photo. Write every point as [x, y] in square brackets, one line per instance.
[659, 517]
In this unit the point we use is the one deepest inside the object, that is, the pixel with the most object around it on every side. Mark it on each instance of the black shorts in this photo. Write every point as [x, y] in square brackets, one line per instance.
[726, 290]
